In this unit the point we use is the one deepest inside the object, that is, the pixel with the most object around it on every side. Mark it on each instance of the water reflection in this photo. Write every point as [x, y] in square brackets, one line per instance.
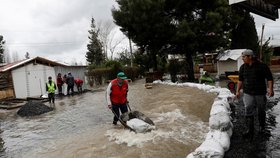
[81, 126]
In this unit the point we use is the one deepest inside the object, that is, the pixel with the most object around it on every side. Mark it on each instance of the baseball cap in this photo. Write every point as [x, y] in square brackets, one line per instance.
[121, 75]
[249, 52]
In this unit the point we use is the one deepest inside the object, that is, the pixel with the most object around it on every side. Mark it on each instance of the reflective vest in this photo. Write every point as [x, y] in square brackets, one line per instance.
[118, 93]
[51, 88]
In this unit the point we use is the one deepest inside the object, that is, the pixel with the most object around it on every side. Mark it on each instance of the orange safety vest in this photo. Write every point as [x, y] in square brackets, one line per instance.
[118, 93]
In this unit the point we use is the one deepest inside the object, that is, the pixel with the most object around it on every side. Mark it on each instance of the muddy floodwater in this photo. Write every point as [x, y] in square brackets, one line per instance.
[81, 126]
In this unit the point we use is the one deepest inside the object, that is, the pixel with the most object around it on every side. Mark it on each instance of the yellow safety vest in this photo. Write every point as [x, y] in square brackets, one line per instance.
[51, 88]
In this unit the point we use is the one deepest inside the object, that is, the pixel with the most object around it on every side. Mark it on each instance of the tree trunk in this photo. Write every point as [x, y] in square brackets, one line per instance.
[190, 66]
[155, 60]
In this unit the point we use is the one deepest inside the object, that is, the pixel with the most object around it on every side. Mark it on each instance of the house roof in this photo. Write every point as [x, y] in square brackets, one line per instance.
[233, 54]
[11, 66]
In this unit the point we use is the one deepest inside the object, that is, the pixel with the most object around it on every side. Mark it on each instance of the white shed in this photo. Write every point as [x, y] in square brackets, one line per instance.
[229, 61]
[29, 76]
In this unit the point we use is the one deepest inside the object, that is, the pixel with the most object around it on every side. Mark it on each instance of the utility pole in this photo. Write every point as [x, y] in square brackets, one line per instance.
[261, 42]
[130, 47]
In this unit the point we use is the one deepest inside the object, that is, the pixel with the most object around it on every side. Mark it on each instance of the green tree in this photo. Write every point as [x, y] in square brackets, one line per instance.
[175, 26]
[2, 42]
[145, 23]
[244, 34]
[94, 54]
[201, 26]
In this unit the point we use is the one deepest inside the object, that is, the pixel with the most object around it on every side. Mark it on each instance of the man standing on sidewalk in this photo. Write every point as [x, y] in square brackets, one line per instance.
[253, 78]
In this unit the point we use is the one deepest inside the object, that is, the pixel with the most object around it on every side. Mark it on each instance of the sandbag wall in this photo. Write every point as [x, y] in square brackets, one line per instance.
[217, 140]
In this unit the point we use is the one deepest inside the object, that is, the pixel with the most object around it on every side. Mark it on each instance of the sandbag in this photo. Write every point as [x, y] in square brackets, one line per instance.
[209, 148]
[217, 108]
[220, 121]
[221, 137]
[190, 156]
[139, 125]
[222, 102]
[136, 114]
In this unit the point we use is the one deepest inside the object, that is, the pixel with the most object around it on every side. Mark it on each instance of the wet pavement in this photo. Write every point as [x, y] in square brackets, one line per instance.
[265, 144]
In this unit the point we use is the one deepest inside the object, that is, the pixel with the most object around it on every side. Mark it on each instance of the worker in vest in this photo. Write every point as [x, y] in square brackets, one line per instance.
[50, 87]
[116, 96]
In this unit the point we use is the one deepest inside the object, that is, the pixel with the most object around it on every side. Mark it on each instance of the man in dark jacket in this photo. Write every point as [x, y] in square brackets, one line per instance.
[70, 83]
[253, 78]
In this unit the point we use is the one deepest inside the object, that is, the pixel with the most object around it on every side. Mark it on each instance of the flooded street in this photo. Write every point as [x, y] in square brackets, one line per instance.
[81, 126]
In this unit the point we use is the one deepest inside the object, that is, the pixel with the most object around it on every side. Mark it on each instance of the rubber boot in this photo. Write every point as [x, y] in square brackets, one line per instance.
[262, 117]
[249, 134]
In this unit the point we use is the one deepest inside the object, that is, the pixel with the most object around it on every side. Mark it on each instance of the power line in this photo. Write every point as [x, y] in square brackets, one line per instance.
[43, 44]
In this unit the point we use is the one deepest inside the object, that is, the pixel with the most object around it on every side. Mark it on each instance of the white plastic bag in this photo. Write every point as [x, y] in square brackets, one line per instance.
[139, 125]
[220, 121]
[209, 148]
[221, 137]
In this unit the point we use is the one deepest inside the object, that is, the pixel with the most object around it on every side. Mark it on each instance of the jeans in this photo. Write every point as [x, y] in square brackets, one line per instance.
[253, 104]
[117, 108]
[51, 97]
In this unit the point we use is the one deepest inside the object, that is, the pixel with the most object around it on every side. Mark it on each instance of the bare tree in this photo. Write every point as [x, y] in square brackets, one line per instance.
[27, 55]
[7, 56]
[74, 62]
[105, 30]
[15, 56]
[114, 42]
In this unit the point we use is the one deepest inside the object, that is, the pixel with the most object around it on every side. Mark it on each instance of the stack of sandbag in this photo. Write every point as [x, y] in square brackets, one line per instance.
[220, 116]
[217, 140]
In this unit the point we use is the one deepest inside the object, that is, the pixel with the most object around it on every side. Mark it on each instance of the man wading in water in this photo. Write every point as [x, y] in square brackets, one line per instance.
[116, 96]
[253, 76]
[50, 88]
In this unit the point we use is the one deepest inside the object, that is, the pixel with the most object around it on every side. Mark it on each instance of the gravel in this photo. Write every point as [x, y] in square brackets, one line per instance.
[32, 108]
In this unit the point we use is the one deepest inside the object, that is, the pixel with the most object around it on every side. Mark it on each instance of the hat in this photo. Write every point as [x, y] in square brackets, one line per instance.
[249, 52]
[121, 75]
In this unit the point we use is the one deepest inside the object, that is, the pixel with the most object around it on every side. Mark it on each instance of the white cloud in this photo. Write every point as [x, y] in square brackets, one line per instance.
[58, 29]
[271, 28]
[54, 29]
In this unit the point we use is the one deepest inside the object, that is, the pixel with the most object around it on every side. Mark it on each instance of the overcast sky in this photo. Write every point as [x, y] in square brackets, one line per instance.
[55, 29]
[58, 29]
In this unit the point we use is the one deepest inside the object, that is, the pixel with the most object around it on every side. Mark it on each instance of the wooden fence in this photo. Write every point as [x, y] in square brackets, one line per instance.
[6, 86]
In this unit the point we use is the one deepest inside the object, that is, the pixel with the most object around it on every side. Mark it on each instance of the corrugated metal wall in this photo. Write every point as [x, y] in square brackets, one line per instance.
[30, 80]
[76, 71]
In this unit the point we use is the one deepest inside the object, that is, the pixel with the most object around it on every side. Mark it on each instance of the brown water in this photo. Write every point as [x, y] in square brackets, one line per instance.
[81, 126]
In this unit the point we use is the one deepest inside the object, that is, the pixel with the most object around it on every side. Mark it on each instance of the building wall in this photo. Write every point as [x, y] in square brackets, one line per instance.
[76, 71]
[30, 80]
[228, 65]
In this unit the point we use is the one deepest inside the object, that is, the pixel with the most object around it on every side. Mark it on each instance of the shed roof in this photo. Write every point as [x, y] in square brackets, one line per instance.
[233, 54]
[19, 63]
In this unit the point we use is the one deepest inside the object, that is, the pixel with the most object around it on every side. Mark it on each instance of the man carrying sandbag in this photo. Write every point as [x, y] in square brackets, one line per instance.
[116, 96]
